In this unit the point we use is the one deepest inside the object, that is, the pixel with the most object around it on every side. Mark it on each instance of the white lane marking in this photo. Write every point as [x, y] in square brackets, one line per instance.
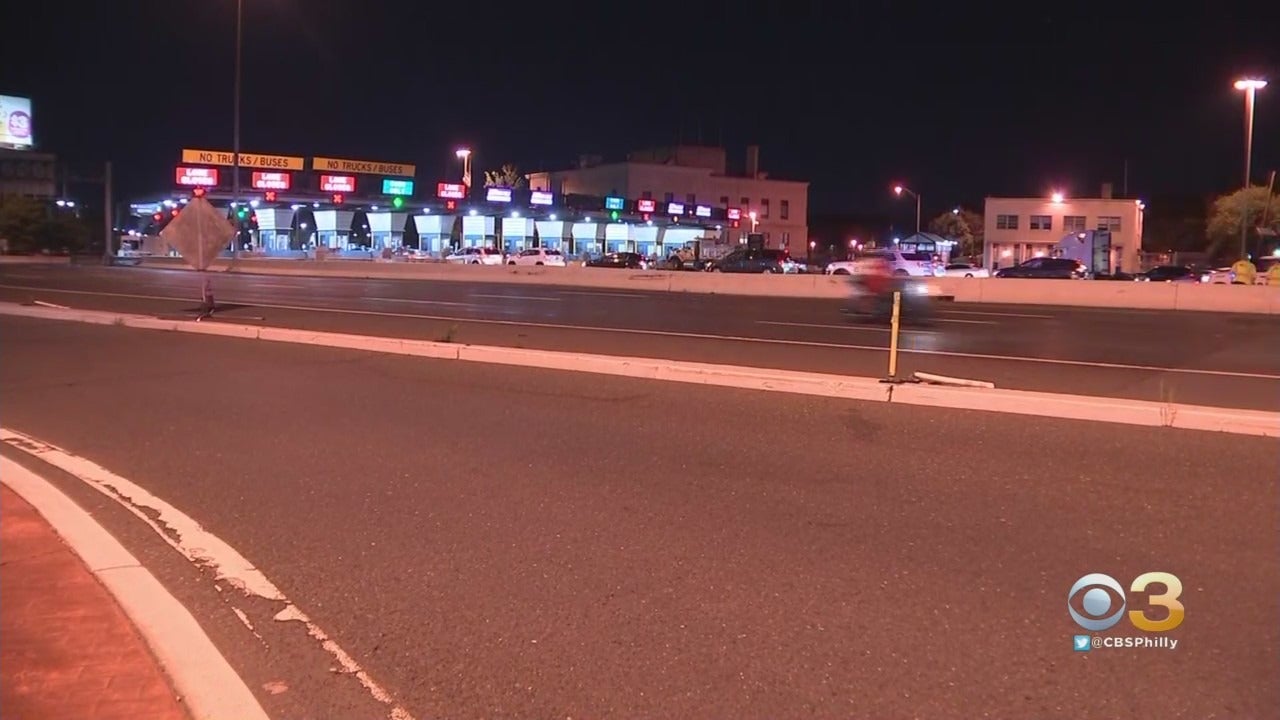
[602, 294]
[695, 336]
[867, 328]
[423, 302]
[208, 684]
[518, 297]
[201, 547]
[997, 314]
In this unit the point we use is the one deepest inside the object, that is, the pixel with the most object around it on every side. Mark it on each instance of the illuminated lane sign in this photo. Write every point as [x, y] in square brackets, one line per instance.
[734, 213]
[646, 206]
[397, 187]
[196, 177]
[615, 203]
[498, 194]
[541, 198]
[271, 181]
[675, 208]
[338, 183]
[451, 191]
[702, 211]
[249, 160]
[362, 167]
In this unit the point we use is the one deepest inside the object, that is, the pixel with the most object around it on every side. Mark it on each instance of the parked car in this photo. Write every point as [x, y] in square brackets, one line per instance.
[968, 270]
[747, 260]
[537, 256]
[913, 264]
[1046, 267]
[475, 256]
[621, 260]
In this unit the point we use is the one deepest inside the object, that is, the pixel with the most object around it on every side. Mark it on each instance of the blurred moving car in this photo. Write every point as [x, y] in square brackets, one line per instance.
[1226, 275]
[1169, 273]
[620, 260]
[1046, 267]
[474, 256]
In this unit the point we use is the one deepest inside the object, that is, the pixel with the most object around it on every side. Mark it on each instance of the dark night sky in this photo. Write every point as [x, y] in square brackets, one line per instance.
[956, 102]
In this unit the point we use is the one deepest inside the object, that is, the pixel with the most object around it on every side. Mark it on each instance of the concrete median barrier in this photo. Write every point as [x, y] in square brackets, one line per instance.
[1080, 293]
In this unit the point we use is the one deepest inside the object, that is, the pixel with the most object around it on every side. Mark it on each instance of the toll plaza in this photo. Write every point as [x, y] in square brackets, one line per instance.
[289, 207]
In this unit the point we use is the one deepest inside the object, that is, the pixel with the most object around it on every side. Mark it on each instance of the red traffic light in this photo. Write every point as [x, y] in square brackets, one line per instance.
[645, 217]
[269, 196]
[735, 223]
[198, 192]
[338, 198]
[450, 205]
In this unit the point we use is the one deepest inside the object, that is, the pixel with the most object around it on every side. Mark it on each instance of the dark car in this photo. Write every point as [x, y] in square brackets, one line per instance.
[1045, 267]
[1170, 273]
[748, 260]
[622, 260]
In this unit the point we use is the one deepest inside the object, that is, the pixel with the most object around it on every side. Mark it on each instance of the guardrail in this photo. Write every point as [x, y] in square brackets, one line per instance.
[1085, 293]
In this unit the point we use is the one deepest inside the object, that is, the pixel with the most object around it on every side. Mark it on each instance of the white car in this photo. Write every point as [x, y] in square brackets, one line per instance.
[965, 270]
[1227, 276]
[475, 256]
[537, 256]
[915, 264]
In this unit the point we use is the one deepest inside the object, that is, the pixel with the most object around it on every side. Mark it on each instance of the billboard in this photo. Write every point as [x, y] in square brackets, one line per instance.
[15, 122]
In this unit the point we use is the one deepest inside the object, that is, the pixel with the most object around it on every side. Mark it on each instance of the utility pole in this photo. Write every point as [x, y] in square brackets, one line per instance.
[235, 140]
[108, 223]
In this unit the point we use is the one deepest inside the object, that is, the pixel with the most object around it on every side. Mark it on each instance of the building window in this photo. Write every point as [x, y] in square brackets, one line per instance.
[646, 195]
[1109, 223]
[764, 207]
[1073, 223]
[786, 237]
[746, 203]
[1041, 222]
[668, 197]
[724, 200]
[1006, 222]
[785, 210]
[691, 199]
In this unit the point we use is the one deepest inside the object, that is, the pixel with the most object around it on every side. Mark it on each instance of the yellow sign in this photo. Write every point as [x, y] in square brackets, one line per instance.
[249, 160]
[363, 167]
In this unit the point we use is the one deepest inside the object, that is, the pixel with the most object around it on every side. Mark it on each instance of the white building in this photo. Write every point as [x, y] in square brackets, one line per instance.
[1018, 229]
[695, 176]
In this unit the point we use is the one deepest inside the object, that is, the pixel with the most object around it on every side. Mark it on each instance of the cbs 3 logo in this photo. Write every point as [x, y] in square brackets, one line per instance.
[1103, 602]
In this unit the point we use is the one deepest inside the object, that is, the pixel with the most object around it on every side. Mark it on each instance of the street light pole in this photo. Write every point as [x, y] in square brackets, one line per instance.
[235, 139]
[1250, 87]
[899, 189]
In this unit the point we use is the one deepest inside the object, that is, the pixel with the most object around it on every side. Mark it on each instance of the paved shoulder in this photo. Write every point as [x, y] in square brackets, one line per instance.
[69, 651]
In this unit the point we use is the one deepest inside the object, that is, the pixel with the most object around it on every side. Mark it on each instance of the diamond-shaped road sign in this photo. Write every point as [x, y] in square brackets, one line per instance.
[199, 232]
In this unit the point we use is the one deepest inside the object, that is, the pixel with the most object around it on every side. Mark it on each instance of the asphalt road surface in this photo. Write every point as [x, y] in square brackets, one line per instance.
[1212, 359]
[496, 542]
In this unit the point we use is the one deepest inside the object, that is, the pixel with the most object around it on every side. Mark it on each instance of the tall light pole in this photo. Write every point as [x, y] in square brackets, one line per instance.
[1250, 86]
[898, 190]
[235, 139]
[465, 155]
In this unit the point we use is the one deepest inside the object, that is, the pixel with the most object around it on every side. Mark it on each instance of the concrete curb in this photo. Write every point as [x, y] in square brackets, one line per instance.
[210, 688]
[1019, 402]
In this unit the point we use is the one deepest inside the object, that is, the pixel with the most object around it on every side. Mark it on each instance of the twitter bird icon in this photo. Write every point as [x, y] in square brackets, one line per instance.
[1083, 643]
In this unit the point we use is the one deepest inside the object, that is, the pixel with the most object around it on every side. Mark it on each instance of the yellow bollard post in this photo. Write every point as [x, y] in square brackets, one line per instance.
[893, 335]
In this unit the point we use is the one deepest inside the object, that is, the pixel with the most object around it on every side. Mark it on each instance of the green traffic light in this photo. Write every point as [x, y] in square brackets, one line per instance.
[397, 202]
[614, 215]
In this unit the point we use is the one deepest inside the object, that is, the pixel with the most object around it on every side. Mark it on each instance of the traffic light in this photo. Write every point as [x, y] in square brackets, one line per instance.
[397, 202]
[734, 224]
[645, 217]
[338, 198]
[269, 196]
[242, 213]
[198, 192]
[450, 205]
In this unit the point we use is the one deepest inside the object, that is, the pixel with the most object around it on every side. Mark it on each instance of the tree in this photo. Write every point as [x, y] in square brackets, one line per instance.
[21, 220]
[1246, 208]
[509, 176]
[965, 227]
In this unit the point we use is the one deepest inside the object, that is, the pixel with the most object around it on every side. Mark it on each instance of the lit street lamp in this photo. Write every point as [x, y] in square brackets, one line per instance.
[898, 190]
[755, 219]
[465, 155]
[1250, 86]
